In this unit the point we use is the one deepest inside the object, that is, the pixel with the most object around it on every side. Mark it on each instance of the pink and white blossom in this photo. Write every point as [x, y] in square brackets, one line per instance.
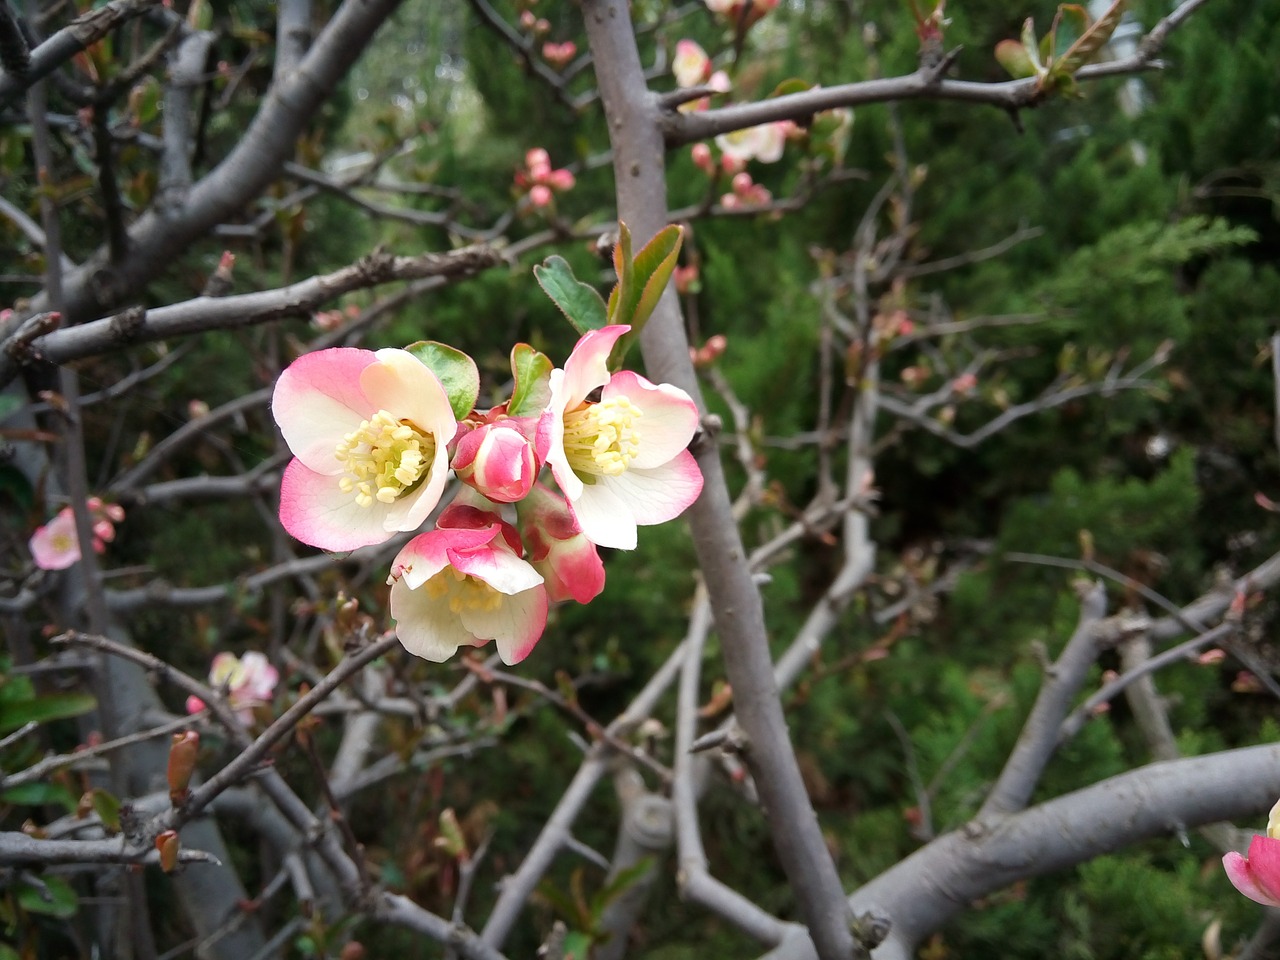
[764, 142]
[249, 682]
[369, 433]
[539, 180]
[622, 460]
[55, 546]
[498, 460]
[569, 563]
[691, 66]
[1258, 875]
[464, 584]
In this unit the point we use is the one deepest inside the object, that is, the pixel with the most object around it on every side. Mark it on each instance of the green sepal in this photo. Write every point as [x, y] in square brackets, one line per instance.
[532, 372]
[578, 301]
[107, 807]
[456, 372]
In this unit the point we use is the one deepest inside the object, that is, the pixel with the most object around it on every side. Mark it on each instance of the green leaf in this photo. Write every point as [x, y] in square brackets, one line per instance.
[56, 899]
[620, 884]
[53, 707]
[532, 372]
[1094, 38]
[1068, 26]
[578, 301]
[577, 946]
[1030, 44]
[107, 807]
[455, 370]
[624, 266]
[791, 85]
[1013, 56]
[40, 795]
[651, 272]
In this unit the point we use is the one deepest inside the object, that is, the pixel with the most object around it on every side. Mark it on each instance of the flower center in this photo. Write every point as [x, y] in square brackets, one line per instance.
[601, 438]
[62, 542]
[383, 457]
[463, 591]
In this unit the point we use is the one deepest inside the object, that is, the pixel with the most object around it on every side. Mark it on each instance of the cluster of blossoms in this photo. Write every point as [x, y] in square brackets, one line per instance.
[248, 681]
[55, 546]
[376, 434]
[539, 181]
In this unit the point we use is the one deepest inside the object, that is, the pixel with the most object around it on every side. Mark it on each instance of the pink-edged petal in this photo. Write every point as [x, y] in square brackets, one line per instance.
[315, 511]
[1264, 865]
[1243, 879]
[503, 571]
[426, 555]
[426, 627]
[404, 386]
[573, 570]
[318, 400]
[661, 493]
[668, 418]
[605, 517]
[588, 364]
[516, 625]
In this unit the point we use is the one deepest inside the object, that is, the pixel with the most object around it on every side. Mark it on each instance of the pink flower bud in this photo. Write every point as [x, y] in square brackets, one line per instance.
[537, 160]
[498, 461]
[742, 183]
[561, 180]
[569, 563]
[964, 383]
[702, 158]
[540, 195]
[528, 20]
[732, 164]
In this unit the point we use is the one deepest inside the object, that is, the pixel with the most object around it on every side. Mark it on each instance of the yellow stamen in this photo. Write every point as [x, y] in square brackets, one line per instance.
[463, 591]
[601, 438]
[384, 457]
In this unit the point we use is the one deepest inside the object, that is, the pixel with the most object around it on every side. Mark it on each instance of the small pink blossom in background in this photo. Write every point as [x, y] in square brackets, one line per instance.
[702, 158]
[686, 279]
[249, 681]
[709, 352]
[559, 54]
[369, 433]
[498, 461]
[531, 23]
[914, 376]
[964, 383]
[569, 563]
[327, 320]
[745, 11]
[732, 165]
[540, 180]
[55, 546]
[1246, 682]
[631, 444]
[746, 193]
[197, 409]
[764, 142]
[1258, 875]
[691, 65]
[464, 584]
[1211, 657]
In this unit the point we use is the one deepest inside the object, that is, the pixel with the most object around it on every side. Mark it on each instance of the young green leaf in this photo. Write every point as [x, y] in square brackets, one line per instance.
[652, 271]
[455, 370]
[623, 265]
[1094, 37]
[52, 897]
[532, 372]
[578, 301]
[1013, 56]
[1069, 26]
